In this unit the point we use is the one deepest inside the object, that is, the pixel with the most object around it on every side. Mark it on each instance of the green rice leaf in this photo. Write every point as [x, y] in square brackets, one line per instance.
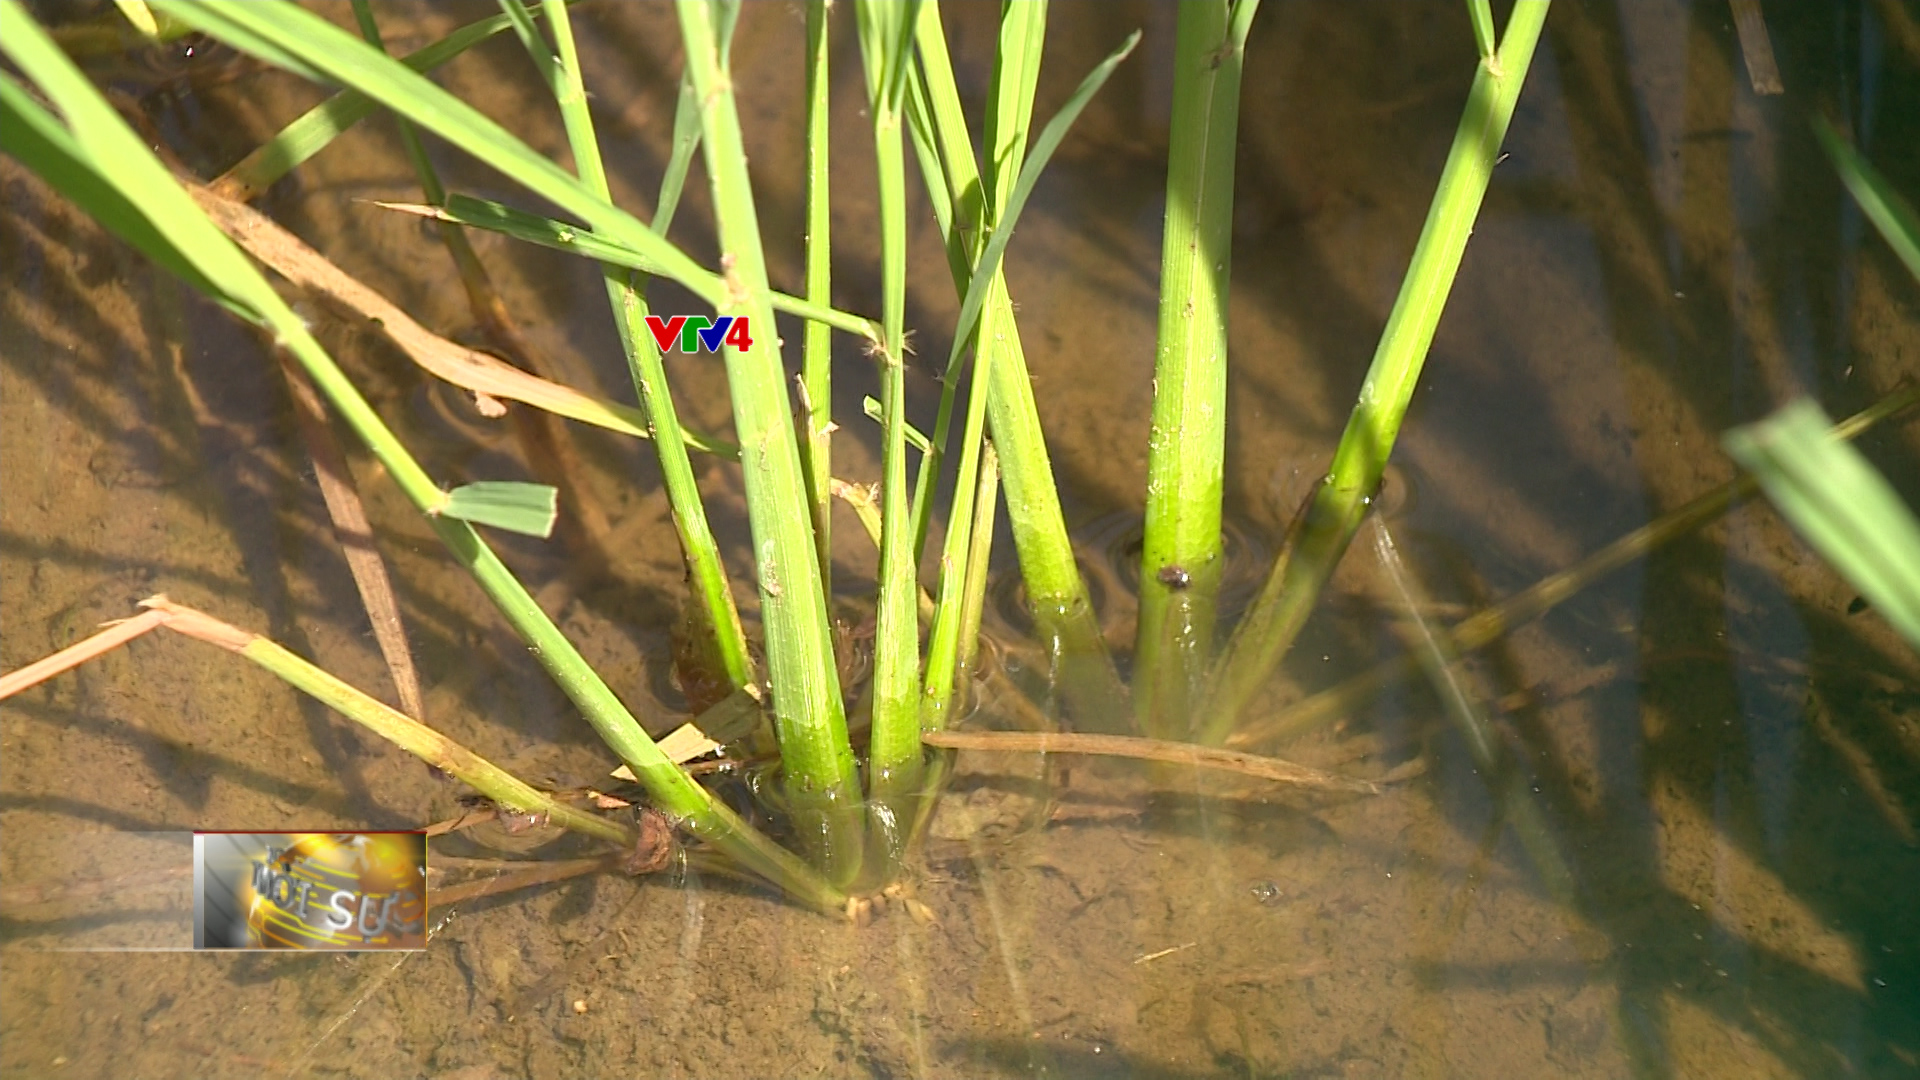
[871, 406]
[1846, 510]
[578, 240]
[38, 140]
[320, 125]
[513, 505]
[137, 13]
[280, 32]
[1889, 213]
[1037, 158]
[686, 140]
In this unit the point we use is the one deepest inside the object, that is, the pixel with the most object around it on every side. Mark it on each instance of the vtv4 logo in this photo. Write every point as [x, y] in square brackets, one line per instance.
[698, 334]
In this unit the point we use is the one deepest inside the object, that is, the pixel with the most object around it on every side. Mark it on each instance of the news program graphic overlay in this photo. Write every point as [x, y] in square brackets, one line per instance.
[363, 890]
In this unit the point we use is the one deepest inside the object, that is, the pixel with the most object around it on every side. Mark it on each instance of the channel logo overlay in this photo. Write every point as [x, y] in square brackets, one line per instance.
[337, 891]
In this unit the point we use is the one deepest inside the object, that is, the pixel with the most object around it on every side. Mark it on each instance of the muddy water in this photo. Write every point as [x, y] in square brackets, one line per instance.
[1724, 759]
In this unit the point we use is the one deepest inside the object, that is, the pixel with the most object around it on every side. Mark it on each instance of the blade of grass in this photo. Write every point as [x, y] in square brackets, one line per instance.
[511, 505]
[1480, 13]
[137, 13]
[1058, 596]
[985, 502]
[810, 718]
[1846, 510]
[1010, 93]
[1307, 560]
[1009, 116]
[1890, 213]
[874, 411]
[316, 129]
[1180, 556]
[816, 349]
[953, 640]
[894, 754]
[718, 615]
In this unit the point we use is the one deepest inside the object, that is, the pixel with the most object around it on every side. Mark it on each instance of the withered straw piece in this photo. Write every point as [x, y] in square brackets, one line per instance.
[383, 720]
[291, 258]
[535, 873]
[355, 534]
[1129, 746]
[112, 637]
[1757, 47]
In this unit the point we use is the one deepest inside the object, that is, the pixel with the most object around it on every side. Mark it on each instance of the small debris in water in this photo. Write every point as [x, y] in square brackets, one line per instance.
[1266, 892]
[580, 1006]
[1165, 952]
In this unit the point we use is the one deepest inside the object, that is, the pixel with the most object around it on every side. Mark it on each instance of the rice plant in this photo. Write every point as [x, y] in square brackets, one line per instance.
[852, 804]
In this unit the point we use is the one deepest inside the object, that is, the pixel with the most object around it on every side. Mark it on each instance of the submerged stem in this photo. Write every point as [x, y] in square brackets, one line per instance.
[1180, 557]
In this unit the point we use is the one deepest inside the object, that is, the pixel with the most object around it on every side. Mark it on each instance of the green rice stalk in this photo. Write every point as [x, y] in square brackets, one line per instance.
[122, 161]
[1062, 612]
[809, 717]
[816, 344]
[953, 640]
[1341, 500]
[1016, 73]
[1180, 560]
[986, 501]
[894, 755]
[705, 572]
[939, 133]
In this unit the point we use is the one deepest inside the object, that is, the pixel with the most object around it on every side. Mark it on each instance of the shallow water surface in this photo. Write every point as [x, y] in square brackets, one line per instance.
[1698, 857]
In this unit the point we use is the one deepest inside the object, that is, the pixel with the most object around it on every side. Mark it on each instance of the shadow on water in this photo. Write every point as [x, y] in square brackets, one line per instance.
[1727, 759]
